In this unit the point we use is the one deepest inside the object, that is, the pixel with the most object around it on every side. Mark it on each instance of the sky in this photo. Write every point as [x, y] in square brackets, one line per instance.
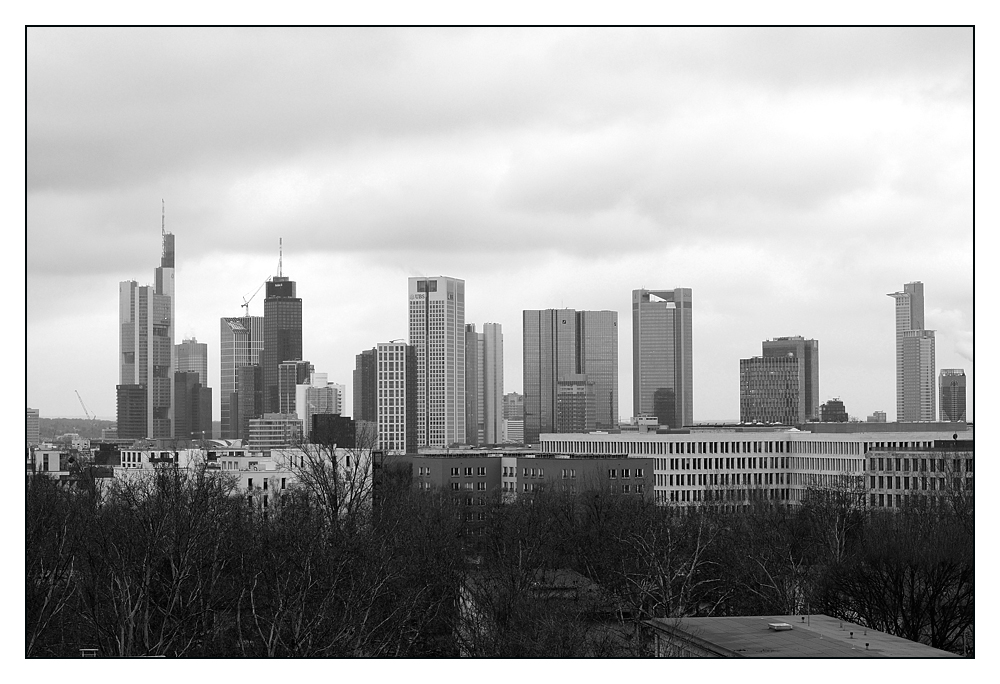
[792, 178]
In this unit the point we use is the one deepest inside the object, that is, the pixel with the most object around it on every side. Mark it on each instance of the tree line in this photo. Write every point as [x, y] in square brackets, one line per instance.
[172, 563]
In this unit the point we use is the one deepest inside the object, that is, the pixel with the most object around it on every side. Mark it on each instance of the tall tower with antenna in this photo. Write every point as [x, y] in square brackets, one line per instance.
[282, 332]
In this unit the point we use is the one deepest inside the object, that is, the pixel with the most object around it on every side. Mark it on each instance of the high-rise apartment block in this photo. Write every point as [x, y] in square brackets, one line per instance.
[282, 335]
[570, 370]
[662, 379]
[192, 356]
[437, 331]
[242, 340]
[782, 386]
[396, 381]
[952, 385]
[915, 377]
[484, 384]
[146, 348]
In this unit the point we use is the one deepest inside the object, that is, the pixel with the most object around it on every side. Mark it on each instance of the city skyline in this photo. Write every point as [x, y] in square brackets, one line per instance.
[789, 194]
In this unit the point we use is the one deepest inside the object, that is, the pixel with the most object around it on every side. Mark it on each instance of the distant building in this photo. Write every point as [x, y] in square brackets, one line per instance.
[513, 431]
[291, 374]
[915, 395]
[275, 431]
[560, 346]
[662, 378]
[192, 356]
[396, 380]
[877, 417]
[952, 386]
[513, 405]
[770, 390]
[241, 343]
[146, 347]
[250, 395]
[365, 386]
[333, 429]
[483, 384]
[317, 396]
[131, 411]
[833, 411]
[437, 331]
[32, 426]
[193, 407]
[282, 335]
[807, 351]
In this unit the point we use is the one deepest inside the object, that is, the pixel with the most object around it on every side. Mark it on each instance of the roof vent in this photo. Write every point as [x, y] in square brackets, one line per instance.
[779, 626]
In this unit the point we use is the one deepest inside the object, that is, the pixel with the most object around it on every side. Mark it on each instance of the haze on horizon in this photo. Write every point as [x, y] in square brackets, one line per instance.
[790, 177]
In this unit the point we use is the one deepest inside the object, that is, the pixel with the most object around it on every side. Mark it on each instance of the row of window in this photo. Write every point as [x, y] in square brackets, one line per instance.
[625, 473]
[456, 472]
[919, 464]
[914, 483]
[480, 486]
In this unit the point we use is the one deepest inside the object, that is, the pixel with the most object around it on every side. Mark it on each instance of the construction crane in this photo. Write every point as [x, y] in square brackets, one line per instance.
[85, 411]
[246, 302]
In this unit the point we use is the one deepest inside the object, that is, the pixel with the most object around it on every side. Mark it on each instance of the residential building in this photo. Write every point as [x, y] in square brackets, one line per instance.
[146, 343]
[192, 355]
[484, 384]
[365, 389]
[275, 431]
[437, 331]
[807, 352]
[396, 380]
[32, 426]
[561, 345]
[282, 335]
[952, 385]
[915, 377]
[833, 411]
[317, 396]
[193, 408]
[662, 378]
[241, 344]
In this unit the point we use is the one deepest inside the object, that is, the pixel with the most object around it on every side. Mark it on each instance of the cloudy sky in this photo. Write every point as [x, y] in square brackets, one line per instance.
[790, 177]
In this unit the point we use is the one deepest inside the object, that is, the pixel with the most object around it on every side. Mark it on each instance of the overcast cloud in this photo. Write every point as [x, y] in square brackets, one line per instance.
[790, 177]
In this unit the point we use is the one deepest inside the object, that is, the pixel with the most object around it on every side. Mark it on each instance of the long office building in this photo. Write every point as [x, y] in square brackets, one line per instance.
[282, 335]
[662, 363]
[484, 384]
[570, 371]
[241, 344]
[146, 348]
[915, 377]
[952, 386]
[437, 331]
[734, 466]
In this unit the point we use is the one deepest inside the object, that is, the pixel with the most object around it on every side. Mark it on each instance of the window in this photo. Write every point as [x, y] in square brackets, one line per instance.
[638, 473]
[611, 473]
[481, 471]
[454, 485]
[625, 473]
[481, 486]
[468, 485]
[282, 483]
[625, 489]
[454, 472]
[249, 483]
[468, 472]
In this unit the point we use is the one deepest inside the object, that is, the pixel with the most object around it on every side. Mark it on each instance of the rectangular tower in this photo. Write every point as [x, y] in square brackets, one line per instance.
[282, 335]
[242, 340]
[397, 401]
[561, 345]
[437, 330]
[475, 420]
[808, 386]
[915, 377]
[365, 390]
[662, 379]
[952, 385]
[484, 384]
[192, 356]
[771, 390]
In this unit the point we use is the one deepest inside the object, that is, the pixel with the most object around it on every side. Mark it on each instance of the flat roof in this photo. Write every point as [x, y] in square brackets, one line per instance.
[813, 636]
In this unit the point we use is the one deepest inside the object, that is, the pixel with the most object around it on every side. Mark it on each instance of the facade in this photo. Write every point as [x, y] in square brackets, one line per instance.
[833, 411]
[131, 411]
[317, 396]
[770, 390]
[365, 389]
[193, 409]
[192, 355]
[32, 426]
[282, 335]
[437, 332]
[291, 374]
[561, 345]
[241, 343]
[396, 380]
[250, 396]
[484, 384]
[933, 475]
[146, 342]
[807, 351]
[915, 377]
[877, 417]
[513, 418]
[275, 431]
[662, 378]
[952, 386]
[731, 467]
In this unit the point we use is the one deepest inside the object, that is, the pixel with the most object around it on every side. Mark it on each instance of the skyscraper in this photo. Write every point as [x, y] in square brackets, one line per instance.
[242, 340]
[770, 390]
[193, 408]
[571, 354]
[662, 379]
[192, 356]
[397, 401]
[952, 385]
[484, 384]
[365, 387]
[437, 330]
[805, 392]
[915, 377]
[291, 374]
[282, 335]
[317, 396]
[146, 346]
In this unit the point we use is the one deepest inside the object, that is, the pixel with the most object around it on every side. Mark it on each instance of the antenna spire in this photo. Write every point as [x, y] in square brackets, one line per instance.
[163, 217]
[279, 257]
